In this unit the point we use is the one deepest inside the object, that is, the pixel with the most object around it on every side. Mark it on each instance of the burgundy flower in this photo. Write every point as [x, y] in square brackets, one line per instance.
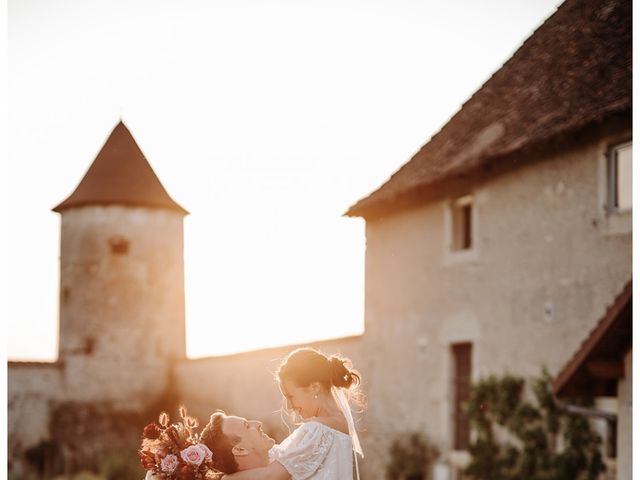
[151, 431]
[185, 472]
[174, 438]
[148, 460]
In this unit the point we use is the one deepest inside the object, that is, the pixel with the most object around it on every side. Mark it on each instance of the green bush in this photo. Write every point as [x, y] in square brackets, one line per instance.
[516, 439]
[411, 457]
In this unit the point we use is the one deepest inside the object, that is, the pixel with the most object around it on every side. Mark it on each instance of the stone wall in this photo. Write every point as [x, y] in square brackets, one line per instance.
[52, 430]
[32, 388]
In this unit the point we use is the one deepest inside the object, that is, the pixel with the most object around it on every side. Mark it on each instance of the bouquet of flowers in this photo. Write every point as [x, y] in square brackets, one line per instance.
[174, 452]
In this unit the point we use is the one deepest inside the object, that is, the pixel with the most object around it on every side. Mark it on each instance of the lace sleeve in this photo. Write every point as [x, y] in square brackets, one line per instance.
[302, 452]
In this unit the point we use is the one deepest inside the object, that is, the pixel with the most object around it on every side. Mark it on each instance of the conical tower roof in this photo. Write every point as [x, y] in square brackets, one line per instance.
[120, 175]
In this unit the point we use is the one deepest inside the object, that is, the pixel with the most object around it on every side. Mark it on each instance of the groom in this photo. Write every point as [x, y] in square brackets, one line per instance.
[237, 443]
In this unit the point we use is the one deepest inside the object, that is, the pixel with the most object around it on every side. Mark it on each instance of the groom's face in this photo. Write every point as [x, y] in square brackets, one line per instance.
[253, 441]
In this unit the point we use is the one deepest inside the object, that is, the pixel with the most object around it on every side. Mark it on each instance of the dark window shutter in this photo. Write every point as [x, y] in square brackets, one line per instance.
[461, 394]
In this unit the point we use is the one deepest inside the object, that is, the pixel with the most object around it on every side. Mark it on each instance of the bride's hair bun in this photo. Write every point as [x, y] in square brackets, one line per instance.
[342, 372]
[307, 365]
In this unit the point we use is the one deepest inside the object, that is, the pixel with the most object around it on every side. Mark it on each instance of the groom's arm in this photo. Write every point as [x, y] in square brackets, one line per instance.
[274, 471]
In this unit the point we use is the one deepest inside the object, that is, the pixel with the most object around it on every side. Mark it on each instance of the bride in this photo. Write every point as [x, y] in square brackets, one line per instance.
[316, 389]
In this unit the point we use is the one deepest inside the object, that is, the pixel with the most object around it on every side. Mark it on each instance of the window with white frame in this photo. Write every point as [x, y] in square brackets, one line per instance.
[619, 177]
[462, 223]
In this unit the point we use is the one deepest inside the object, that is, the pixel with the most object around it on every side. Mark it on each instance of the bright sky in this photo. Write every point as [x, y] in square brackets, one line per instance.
[265, 119]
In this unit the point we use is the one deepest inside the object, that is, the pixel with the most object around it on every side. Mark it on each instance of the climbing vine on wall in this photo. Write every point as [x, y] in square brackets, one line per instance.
[517, 437]
[411, 457]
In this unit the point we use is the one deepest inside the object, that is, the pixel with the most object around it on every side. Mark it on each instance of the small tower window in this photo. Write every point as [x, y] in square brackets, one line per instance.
[65, 294]
[89, 345]
[119, 245]
[462, 223]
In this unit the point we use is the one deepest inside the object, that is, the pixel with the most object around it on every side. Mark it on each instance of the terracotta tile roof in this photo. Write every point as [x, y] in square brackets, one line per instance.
[598, 364]
[120, 175]
[573, 72]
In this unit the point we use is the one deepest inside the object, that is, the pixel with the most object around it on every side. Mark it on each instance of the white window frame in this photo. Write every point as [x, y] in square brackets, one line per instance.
[612, 178]
[610, 221]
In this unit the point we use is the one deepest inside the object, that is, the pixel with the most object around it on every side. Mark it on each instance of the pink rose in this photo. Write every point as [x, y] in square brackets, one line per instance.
[169, 463]
[193, 455]
[207, 453]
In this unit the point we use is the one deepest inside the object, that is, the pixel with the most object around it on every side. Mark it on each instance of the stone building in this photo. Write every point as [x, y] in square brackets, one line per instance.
[504, 240]
[497, 248]
[121, 320]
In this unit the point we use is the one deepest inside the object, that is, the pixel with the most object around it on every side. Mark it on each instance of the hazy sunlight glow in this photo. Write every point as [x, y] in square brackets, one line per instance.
[266, 120]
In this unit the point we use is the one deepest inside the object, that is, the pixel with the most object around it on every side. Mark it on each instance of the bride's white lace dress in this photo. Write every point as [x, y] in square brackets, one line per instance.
[315, 451]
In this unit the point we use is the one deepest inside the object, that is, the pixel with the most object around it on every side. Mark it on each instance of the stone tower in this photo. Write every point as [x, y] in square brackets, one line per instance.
[122, 320]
